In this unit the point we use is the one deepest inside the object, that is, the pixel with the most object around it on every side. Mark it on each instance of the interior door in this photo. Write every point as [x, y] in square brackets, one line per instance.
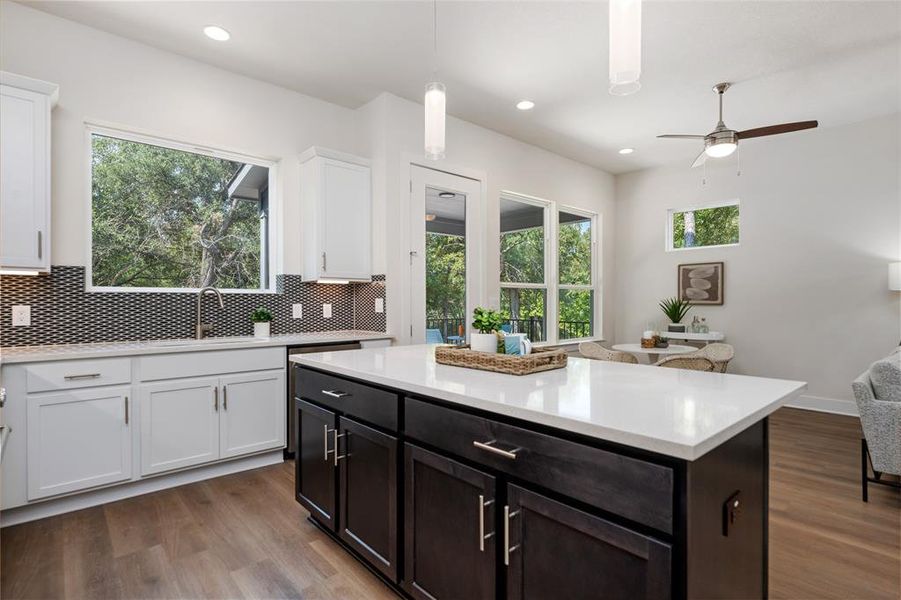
[446, 262]
[449, 528]
[252, 416]
[554, 551]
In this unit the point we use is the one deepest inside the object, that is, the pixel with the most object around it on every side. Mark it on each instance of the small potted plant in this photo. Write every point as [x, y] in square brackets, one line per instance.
[675, 309]
[261, 319]
[488, 322]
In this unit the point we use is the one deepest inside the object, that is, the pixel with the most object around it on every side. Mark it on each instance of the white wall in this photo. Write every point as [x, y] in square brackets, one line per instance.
[111, 79]
[806, 292]
[505, 163]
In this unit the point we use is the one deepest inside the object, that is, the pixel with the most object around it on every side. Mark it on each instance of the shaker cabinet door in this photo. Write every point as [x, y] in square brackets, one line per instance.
[314, 464]
[552, 550]
[252, 418]
[449, 530]
[368, 482]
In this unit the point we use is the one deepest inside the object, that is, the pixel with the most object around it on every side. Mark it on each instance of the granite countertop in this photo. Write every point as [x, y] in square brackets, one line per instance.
[675, 412]
[25, 354]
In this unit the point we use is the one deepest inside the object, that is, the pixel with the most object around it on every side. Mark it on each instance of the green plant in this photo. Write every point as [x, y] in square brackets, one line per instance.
[487, 320]
[261, 315]
[675, 309]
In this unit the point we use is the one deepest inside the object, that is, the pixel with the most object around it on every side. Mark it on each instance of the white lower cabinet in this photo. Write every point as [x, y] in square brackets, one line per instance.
[253, 413]
[187, 422]
[78, 439]
[179, 424]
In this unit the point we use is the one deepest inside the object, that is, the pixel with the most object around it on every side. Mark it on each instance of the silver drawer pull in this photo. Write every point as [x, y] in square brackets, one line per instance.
[507, 547]
[482, 535]
[490, 447]
[335, 393]
[82, 377]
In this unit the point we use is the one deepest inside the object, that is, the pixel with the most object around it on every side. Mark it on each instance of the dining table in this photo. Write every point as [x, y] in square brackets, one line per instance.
[653, 354]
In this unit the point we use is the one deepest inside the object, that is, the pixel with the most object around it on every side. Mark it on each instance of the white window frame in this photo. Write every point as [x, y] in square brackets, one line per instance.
[552, 285]
[593, 287]
[274, 215]
[668, 239]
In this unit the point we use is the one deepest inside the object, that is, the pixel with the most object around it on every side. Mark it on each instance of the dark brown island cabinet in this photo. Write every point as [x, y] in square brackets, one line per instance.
[448, 502]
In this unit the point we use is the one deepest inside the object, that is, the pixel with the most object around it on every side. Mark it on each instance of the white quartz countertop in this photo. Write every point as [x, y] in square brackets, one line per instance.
[675, 412]
[26, 354]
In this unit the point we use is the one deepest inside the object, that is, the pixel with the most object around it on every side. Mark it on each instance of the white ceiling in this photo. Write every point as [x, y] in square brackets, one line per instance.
[833, 61]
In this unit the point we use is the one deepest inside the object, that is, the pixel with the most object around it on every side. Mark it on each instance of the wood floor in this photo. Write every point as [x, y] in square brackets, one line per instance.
[244, 536]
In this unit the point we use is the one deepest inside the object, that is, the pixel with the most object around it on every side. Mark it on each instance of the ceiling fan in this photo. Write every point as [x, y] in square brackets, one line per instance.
[722, 141]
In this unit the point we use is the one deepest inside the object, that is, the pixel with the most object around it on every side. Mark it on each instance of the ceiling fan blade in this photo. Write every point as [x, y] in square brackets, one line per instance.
[681, 136]
[702, 157]
[776, 129]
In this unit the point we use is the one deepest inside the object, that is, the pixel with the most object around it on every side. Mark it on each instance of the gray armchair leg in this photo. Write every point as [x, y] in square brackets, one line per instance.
[863, 468]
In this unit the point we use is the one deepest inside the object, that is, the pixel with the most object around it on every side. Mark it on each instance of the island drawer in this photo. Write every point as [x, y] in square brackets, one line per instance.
[348, 397]
[632, 488]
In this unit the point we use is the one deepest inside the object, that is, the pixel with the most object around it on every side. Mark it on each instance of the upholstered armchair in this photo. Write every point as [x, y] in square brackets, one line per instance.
[878, 395]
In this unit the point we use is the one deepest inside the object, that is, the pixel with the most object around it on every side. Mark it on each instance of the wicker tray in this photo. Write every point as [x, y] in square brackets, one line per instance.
[539, 360]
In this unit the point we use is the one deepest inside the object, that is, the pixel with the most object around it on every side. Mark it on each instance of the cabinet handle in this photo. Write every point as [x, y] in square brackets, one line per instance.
[2, 397]
[126, 410]
[507, 547]
[216, 398]
[81, 377]
[482, 536]
[225, 397]
[336, 437]
[40, 244]
[325, 442]
[323, 261]
[335, 393]
[5, 430]
[490, 447]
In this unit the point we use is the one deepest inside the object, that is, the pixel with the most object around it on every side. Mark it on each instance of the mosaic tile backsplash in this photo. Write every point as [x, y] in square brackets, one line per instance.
[62, 312]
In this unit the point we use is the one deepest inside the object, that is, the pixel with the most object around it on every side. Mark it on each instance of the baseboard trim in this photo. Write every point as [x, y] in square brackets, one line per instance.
[827, 405]
[58, 506]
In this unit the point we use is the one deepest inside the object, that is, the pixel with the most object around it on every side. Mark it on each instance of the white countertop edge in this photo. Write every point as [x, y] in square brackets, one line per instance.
[31, 354]
[625, 438]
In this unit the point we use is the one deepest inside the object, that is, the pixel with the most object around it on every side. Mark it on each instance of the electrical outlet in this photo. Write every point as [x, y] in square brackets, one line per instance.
[22, 315]
[326, 311]
[379, 305]
[297, 311]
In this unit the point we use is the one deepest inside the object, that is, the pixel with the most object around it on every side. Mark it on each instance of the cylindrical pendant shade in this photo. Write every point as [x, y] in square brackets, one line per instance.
[434, 120]
[625, 46]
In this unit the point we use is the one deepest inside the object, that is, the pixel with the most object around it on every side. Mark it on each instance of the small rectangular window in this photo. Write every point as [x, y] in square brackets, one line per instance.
[164, 217]
[703, 227]
[575, 256]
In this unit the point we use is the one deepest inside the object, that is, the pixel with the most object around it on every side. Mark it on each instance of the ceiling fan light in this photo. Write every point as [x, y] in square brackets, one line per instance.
[720, 150]
[625, 46]
[435, 104]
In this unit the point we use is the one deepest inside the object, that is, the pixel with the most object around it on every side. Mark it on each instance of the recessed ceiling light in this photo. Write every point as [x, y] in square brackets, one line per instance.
[627, 151]
[216, 33]
[525, 105]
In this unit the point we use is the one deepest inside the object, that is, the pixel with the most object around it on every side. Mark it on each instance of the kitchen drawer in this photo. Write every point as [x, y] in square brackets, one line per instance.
[356, 399]
[629, 487]
[179, 365]
[72, 374]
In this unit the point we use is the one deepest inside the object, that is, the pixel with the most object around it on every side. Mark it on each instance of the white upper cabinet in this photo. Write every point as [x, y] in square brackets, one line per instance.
[336, 191]
[25, 106]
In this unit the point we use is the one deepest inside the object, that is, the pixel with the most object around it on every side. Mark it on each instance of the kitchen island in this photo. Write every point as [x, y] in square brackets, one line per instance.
[602, 480]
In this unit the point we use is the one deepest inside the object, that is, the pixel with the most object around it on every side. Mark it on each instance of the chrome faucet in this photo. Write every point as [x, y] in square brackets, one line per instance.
[201, 329]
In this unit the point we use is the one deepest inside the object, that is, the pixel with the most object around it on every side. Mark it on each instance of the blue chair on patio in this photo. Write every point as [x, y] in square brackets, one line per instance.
[433, 336]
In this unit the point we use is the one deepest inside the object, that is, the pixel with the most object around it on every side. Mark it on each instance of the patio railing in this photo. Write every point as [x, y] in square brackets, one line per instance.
[533, 327]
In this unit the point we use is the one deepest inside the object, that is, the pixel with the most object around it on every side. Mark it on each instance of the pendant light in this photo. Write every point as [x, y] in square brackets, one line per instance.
[625, 47]
[435, 103]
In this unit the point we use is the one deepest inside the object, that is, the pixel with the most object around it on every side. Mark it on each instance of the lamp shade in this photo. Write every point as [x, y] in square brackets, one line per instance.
[894, 276]
[435, 99]
[625, 46]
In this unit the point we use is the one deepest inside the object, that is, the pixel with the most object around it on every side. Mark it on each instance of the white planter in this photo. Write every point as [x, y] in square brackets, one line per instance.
[261, 330]
[483, 342]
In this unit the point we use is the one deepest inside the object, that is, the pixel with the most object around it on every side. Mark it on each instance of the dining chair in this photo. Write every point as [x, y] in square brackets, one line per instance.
[433, 336]
[691, 363]
[717, 353]
[597, 352]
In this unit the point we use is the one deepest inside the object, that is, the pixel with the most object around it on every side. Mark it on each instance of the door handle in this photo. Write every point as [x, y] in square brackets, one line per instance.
[40, 244]
[126, 410]
[507, 547]
[323, 261]
[216, 398]
[482, 536]
[490, 447]
[225, 397]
